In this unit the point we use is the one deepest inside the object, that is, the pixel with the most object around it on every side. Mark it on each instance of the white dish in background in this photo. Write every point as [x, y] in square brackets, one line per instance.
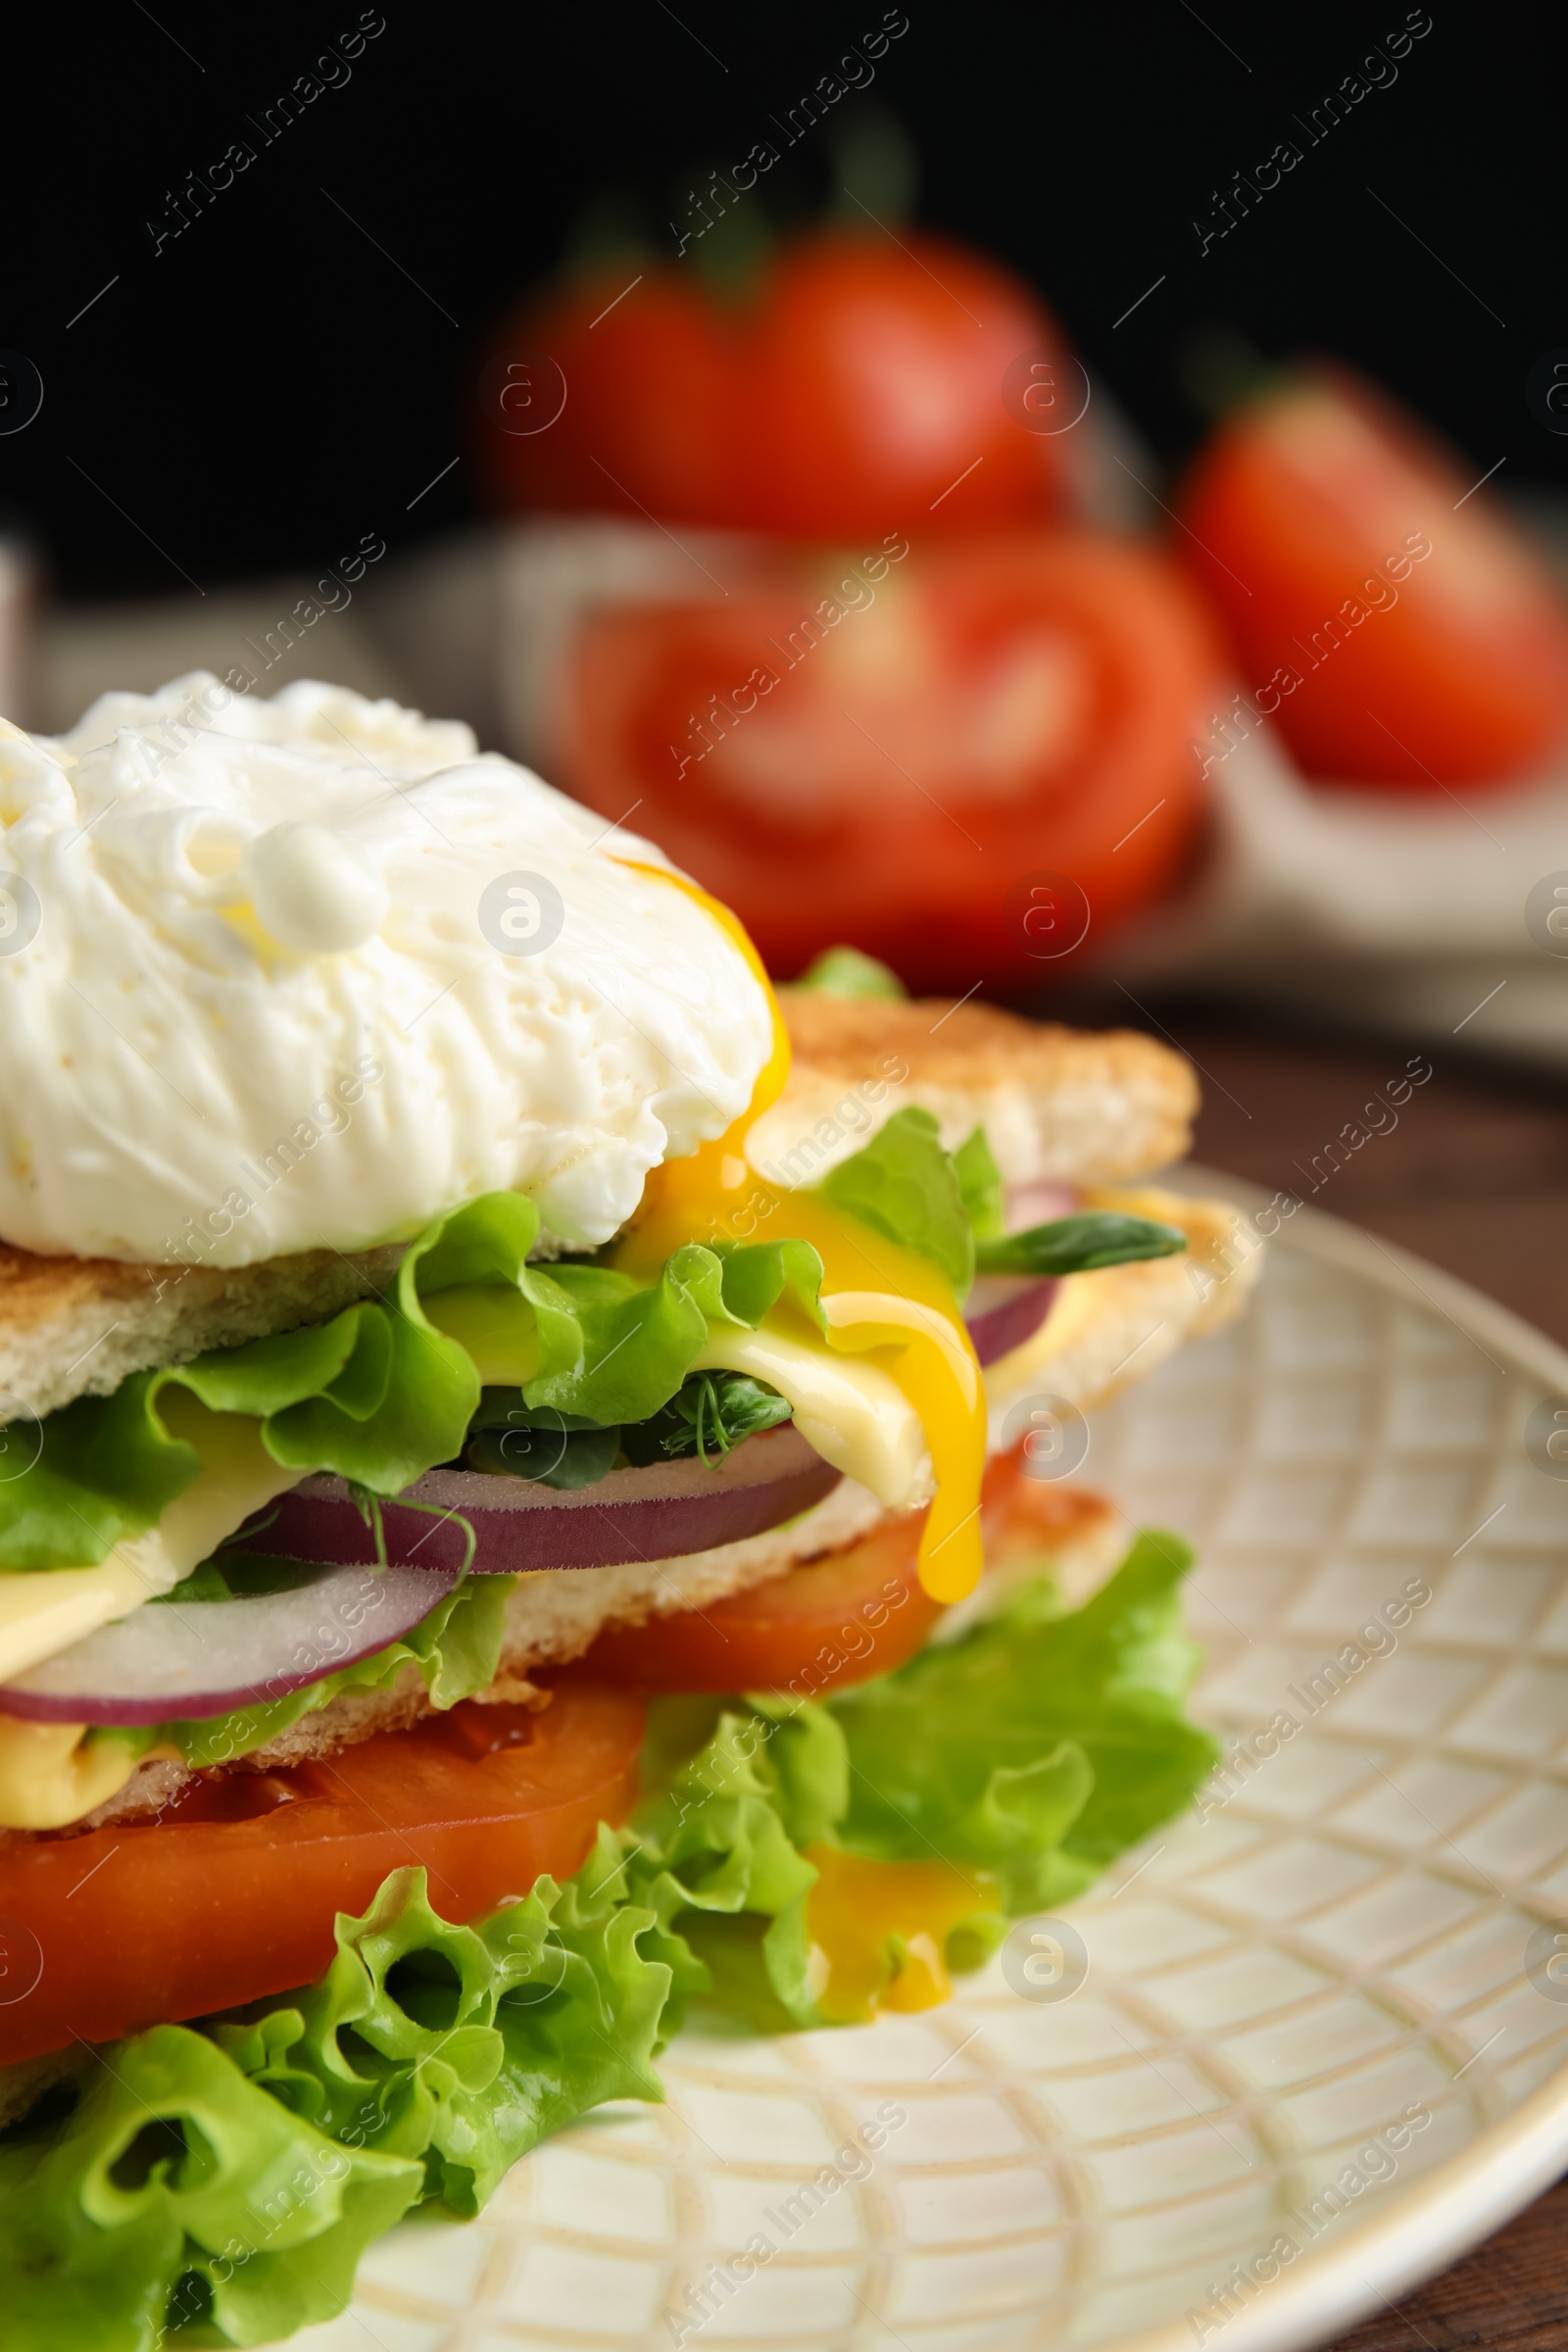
[1270, 1987]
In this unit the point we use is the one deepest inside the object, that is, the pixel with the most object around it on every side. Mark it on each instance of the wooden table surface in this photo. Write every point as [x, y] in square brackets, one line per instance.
[1475, 1178]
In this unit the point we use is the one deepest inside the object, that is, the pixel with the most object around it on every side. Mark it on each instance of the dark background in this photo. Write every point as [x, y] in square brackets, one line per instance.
[271, 384]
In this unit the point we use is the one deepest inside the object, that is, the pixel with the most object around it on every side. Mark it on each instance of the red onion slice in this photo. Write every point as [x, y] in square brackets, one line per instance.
[191, 1660]
[659, 1513]
[1006, 1309]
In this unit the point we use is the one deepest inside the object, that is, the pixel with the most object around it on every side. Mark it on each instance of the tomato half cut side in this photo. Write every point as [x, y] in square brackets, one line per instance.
[232, 1895]
[893, 751]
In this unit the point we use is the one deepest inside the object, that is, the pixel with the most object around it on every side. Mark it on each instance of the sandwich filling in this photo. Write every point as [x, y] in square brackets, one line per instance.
[846, 1317]
[599, 1335]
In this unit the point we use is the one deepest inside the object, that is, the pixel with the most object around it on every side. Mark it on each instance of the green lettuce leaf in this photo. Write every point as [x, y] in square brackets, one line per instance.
[758, 1276]
[716, 1855]
[1037, 1746]
[179, 2191]
[377, 1395]
[904, 1185]
[847, 972]
[1034, 1748]
[948, 1207]
[460, 2047]
[979, 1185]
[380, 1395]
[222, 2181]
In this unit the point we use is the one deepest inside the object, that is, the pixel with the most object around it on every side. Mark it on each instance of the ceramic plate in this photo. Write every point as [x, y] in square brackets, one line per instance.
[1320, 2046]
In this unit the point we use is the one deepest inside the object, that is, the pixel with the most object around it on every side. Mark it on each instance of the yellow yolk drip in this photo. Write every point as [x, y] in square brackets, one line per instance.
[879, 1298]
[856, 1906]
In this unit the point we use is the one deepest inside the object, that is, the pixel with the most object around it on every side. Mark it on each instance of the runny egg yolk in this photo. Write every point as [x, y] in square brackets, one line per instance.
[857, 1907]
[878, 1299]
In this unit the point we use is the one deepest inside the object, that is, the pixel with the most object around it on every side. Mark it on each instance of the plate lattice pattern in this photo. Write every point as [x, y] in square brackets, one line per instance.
[1296, 2005]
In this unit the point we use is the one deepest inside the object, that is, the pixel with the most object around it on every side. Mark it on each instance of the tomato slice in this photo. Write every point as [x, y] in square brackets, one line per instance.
[1026, 1517]
[839, 1620]
[895, 750]
[858, 1612]
[1399, 625]
[232, 1895]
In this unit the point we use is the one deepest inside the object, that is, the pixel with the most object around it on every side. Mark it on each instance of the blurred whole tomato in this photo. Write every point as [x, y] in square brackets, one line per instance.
[857, 387]
[927, 755]
[1397, 622]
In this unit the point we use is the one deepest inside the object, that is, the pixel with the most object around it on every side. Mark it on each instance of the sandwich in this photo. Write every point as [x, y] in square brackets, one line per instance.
[530, 1488]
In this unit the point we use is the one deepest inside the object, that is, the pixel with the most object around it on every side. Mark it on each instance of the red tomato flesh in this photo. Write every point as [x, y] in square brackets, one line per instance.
[1025, 1517]
[232, 1895]
[874, 394]
[889, 752]
[858, 1612]
[1403, 629]
[646, 426]
[838, 1620]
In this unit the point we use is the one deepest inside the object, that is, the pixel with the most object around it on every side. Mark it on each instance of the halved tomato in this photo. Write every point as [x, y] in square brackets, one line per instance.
[232, 1895]
[911, 751]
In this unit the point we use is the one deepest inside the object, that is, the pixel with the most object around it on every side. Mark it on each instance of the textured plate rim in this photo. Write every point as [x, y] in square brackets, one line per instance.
[1436, 2220]
[1426, 2227]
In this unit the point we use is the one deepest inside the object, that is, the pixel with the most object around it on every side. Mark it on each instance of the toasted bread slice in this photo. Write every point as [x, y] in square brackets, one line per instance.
[1063, 1106]
[78, 1326]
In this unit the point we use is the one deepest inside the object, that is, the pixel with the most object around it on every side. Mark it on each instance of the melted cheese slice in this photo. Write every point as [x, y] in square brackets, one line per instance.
[853, 1411]
[45, 1612]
